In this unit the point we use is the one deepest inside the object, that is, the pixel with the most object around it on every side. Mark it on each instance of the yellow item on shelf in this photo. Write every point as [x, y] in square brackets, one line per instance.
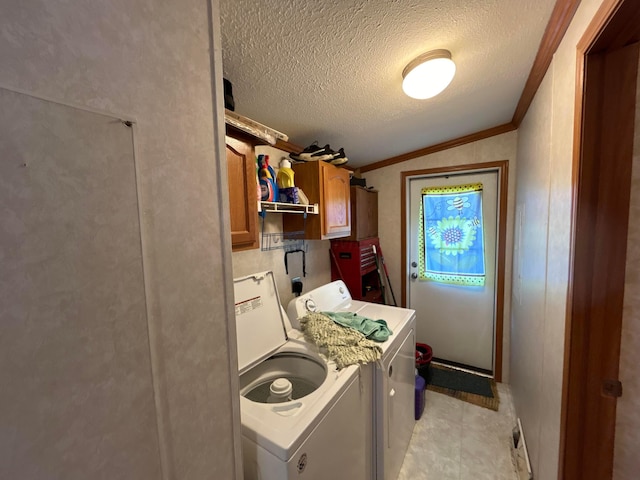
[285, 175]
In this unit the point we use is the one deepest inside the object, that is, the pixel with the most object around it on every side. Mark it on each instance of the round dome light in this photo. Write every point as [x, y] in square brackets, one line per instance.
[429, 74]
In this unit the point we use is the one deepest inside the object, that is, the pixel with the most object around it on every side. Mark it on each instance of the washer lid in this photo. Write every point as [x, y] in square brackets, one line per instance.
[260, 327]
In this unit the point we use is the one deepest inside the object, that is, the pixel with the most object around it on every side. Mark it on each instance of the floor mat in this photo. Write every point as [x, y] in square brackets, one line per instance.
[464, 386]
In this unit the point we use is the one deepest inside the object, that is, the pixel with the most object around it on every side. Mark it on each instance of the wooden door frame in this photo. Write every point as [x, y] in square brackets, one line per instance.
[502, 167]
[601, 191]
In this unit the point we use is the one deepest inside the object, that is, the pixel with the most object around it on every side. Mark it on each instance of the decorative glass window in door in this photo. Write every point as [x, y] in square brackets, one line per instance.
[451, 239]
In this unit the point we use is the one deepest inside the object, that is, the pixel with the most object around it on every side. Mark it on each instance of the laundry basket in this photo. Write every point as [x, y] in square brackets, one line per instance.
[424, 354]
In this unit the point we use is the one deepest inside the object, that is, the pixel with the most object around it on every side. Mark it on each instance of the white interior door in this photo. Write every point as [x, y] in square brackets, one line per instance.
[457, 321]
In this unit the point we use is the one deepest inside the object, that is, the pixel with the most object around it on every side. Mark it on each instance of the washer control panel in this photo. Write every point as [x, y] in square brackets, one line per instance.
[310, 305]
[327, 298]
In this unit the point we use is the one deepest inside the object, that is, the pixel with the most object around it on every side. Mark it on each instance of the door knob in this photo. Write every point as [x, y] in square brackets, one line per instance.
[414, 275]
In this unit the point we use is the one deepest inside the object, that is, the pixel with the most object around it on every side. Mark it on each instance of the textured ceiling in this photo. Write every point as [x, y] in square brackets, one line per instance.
[331, 70]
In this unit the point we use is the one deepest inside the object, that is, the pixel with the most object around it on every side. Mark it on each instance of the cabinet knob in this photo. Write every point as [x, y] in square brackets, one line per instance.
[414, 276]
[414, 264]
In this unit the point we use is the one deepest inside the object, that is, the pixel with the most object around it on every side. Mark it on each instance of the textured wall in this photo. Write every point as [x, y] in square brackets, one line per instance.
[528, 339]
[150, 61]
[626, 460]
[317, 263]
[74, 343]
[388, 182]
[541, 265]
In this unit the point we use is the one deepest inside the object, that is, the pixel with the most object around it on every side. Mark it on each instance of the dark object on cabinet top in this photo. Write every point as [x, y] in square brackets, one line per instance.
[228, 95]
[359, 182]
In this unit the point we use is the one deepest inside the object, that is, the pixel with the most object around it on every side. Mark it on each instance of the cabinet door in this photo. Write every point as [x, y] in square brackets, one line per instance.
[371, 214]
[337, 207]
[364, 213]
[242, 194]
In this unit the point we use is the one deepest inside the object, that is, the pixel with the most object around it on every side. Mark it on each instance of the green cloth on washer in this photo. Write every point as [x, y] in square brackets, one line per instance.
[376, 330]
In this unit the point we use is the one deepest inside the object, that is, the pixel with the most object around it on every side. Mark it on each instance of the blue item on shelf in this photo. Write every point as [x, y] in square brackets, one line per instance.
[268, 186]
[272, 178]
[289, 195]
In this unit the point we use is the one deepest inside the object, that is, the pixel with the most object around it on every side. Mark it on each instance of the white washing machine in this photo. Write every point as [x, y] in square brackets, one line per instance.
[393, 377]
[302, 436]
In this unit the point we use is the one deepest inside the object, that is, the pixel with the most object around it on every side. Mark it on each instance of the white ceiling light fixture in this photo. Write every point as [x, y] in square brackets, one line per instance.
[428, 74]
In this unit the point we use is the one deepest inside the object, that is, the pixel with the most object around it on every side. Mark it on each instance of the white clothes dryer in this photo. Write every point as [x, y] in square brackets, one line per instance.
[393, 377]
[294, 404]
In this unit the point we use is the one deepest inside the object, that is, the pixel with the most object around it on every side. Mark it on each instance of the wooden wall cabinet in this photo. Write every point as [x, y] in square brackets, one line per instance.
[328, 186]
[364, 213]
[243, 201]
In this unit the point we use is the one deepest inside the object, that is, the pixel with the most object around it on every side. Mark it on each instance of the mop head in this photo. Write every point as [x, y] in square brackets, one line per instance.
[344, 345]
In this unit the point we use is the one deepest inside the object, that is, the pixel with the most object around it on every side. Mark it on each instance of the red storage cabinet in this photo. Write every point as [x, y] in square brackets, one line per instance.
[354, 262]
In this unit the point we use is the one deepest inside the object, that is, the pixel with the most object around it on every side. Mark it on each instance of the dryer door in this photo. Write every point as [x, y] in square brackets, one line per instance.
[400, 405]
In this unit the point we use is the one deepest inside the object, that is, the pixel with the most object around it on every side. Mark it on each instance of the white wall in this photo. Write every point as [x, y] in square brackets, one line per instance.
[626, 463]
[387, 181]
[545, 140]
[151, 61]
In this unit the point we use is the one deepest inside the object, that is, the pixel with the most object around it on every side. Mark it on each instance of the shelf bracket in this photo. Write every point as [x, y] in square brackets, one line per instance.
[289, 241]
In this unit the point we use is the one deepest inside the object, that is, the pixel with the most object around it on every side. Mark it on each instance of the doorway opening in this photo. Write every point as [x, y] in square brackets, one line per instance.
[603, 152]
[493, 360]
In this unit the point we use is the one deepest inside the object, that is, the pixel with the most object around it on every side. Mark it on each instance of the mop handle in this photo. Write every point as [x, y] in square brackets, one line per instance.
[382, 290]
[386, 272]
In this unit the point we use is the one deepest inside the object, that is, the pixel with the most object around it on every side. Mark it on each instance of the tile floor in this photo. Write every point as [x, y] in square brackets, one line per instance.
[455, 440]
